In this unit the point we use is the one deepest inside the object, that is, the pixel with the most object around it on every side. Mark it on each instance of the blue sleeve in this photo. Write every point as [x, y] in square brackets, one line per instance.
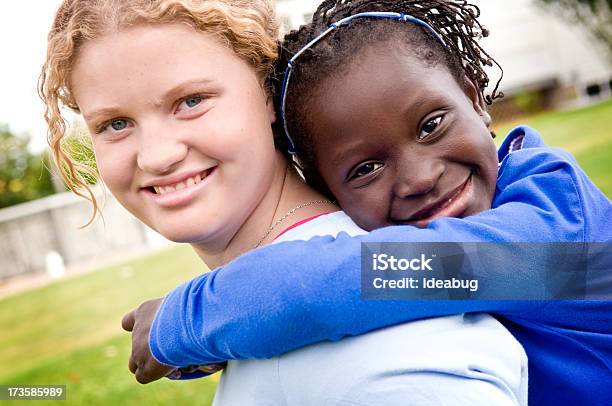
[282, 297]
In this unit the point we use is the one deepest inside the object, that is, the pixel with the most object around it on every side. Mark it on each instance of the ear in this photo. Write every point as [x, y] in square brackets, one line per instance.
[270, 108]
[477, 100]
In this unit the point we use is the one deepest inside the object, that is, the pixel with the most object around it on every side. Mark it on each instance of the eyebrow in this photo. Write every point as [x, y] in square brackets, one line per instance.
[103, 112]
[181, 88]
[349, 153]
[169, 95]
[345, 155]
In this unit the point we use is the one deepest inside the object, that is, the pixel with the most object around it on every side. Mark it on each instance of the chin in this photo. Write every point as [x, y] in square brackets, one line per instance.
[177, 234]
[178, 237]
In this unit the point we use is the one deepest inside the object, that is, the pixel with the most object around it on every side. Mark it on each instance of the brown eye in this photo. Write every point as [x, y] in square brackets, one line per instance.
[366, 169]
[429, 127]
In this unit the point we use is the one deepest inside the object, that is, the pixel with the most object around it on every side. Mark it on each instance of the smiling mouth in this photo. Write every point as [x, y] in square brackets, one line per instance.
[184, 184]
[453, 206]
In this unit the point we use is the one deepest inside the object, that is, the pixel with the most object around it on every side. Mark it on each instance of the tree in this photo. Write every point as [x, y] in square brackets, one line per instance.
[594, 15]
[23, 176]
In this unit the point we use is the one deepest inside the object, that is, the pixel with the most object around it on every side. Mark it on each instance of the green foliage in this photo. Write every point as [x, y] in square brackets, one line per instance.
[78, 145]
[528, 101]
[23, 176]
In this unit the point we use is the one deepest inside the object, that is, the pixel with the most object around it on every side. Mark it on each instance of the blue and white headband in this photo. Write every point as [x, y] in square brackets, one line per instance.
[332, 27]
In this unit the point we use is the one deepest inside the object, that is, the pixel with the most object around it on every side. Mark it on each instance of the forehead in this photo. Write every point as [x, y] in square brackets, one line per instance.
[382, 89]
[148, 59]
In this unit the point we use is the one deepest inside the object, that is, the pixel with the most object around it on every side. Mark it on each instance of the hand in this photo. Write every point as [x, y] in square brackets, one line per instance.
[142, 364]
[213, 368]
[195, 371]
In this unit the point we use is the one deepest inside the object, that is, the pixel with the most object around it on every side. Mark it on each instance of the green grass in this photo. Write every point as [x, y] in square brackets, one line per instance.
[97, 374]
[69, 332]
[586, 133]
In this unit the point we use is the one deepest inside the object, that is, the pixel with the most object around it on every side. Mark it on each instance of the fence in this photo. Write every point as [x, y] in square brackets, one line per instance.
[29, 232]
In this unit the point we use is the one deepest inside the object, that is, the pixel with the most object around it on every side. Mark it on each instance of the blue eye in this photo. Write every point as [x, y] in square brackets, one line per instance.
[113, 127]
[193, 101]
[429, 127]
[119, 124]
[366, 169]
[190, 105]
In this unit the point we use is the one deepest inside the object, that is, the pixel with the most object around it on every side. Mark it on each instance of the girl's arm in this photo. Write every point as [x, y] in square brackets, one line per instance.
[288, 295]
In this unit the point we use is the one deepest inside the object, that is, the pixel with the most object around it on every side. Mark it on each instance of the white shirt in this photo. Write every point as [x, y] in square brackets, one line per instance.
[457, 360]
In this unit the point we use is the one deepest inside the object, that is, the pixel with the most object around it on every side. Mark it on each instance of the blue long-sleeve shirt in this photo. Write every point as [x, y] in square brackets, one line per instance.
[288, 295]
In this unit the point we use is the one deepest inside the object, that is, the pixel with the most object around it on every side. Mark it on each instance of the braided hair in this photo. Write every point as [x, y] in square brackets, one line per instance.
[456, 21]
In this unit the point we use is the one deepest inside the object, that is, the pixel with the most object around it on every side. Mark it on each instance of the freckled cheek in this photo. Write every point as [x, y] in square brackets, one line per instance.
[115, 168]
[243, 147]
[246, 133]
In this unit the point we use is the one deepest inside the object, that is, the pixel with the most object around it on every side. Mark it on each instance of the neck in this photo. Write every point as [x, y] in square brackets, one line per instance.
[286, 191]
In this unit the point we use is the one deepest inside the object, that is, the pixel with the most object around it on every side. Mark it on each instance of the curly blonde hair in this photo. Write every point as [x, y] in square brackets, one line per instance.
[247, 27]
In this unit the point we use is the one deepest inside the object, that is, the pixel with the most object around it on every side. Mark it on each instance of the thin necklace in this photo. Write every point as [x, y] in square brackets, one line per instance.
[289, 213]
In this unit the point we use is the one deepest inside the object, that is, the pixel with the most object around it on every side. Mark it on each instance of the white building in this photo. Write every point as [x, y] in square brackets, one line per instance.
[293, 13]
[36, 231]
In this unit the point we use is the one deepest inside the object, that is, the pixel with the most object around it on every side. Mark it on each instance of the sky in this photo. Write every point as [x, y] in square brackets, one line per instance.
[23, 42]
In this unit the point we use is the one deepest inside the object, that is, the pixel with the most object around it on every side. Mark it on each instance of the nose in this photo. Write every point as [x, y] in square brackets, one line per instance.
[416, 176]
[159, 150]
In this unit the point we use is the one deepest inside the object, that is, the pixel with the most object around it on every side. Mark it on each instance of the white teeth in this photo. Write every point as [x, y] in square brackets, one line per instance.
[194, 180]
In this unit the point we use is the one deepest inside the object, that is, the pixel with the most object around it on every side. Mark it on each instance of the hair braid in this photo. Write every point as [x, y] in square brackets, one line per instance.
[456, 21]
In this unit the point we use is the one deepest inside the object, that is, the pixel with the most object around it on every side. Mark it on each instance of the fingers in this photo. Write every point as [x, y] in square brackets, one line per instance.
[142, 377]
[132, 365]
[141, 372]
[127, 323]
[176, 374]
[152, 371]
[190, 369]
[213, 368]
[142, 364]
